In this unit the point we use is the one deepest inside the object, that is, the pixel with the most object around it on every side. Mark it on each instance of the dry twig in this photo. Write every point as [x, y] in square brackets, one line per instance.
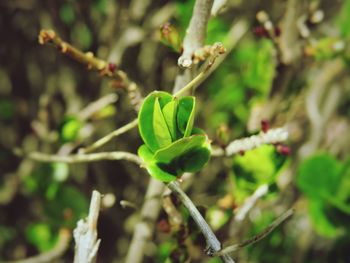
[85, 234]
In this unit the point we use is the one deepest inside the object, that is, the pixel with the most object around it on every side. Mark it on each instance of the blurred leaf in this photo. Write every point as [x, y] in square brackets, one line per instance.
[66, 13]
[70, 129]
[68, 206]
[259, 164]
[81, 36]
[217, 217]
[7, 109]
[319, 219]
[343, 19]
[105, 112]
[319, 176]
[40, 236]
[60, 171]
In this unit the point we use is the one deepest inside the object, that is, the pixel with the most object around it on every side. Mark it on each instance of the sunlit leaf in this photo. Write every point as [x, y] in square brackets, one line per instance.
[145, 117]
[169, 112]
[185, 115]
[180, 147]
[160, 127]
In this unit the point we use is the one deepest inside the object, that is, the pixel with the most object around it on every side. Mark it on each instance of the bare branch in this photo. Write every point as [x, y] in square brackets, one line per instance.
[109, 137]
[144, 228]
[250, 202]
[85, 234]
[97, 105]
[57, 251]
[196, 31]
[80, 158]
[93, 63]
[213, 244]
[259, 236]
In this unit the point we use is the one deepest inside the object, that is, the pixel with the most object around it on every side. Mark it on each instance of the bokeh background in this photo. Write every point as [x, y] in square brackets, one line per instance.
[297, 78]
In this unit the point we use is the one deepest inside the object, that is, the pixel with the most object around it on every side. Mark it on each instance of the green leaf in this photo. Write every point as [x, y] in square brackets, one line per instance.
[320, 221]
[319, 176]
[193, 161]
[180, 147]
[40, 236]
[153, 168]
[185, 115]
[169, 112]
[160, 127]
[145, 117]
[70, 129]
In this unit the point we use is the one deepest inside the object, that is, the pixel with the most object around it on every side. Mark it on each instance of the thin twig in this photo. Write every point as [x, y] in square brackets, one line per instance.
[250, 202]
[109, 137]
[196, 31]
[93, 63]
[97, 105]
[57, 251]
[213, 244]
[218, 49]
[85, 234]
[80, 158]
[259, 236]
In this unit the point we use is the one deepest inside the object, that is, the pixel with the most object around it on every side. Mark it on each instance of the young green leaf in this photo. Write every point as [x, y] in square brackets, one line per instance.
[152, 167]
[145, 117]
[194, 160]
[180, 147]
[185, 115]
[169, 112]
[160, 127]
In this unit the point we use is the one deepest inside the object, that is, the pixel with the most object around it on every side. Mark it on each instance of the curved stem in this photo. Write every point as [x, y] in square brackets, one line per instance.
[213, 244]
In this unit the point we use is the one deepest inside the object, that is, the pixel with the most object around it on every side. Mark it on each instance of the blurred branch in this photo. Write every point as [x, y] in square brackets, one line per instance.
[217, 6]
[270, 137]
[196, 31]
[79, 158]
[57, 251]
[259, 236]
[213, 244]
[93, 63]
[321, 101]
[97, 105]
[85, 234]
[250, 202]
[109, 137]
[144, 228]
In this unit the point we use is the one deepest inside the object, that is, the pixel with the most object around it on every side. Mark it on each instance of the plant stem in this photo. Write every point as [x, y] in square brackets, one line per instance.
[109, 137]
[218, 49]
[259, 236]
[213, 244]
[79, 158]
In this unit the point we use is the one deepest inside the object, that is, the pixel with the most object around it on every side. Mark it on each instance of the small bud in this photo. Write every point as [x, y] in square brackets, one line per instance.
[112, 67]
[164, 226]
[265, 125]
[283, 149]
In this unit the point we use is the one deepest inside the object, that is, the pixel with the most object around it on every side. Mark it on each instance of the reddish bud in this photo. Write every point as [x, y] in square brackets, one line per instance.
[241, 152]
[112, 67]
[260, 31]
[283, 149]
[164, 226]
[265, 125]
